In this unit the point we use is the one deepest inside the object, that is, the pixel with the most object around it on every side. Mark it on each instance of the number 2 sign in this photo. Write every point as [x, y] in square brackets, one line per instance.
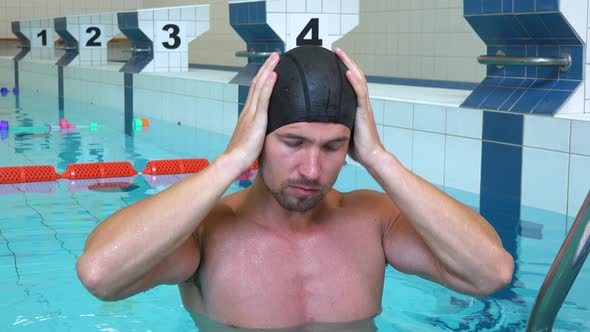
[92, 36]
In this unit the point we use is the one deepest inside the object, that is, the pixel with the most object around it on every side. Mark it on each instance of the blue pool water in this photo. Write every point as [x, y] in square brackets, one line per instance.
[43, 228]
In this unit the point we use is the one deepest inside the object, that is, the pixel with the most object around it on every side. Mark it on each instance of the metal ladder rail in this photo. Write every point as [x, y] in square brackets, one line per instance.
[563, 272]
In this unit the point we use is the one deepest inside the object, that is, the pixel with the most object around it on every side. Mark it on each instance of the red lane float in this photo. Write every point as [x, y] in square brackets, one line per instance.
[254, 166]
[22, 174]
[175, 166]
[99, 170]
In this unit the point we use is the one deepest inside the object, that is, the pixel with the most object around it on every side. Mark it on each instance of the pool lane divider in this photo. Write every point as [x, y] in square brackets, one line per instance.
[102, 170]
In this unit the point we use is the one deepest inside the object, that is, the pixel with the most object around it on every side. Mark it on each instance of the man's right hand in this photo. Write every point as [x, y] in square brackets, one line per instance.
[248, 137]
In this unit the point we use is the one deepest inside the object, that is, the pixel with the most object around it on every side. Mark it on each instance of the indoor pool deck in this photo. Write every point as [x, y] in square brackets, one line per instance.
[424, 127]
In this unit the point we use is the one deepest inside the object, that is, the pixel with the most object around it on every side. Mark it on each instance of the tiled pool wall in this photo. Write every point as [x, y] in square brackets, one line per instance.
[441, 143]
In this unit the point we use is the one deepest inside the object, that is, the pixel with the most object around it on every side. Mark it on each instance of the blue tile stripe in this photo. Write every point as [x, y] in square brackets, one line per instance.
[523, 29]
[503, 127]
[70, 42]
[476, 7]
[16, 77]
[500, 198]
[248, 19]
[25, 43]
[540, 32]
[129, 25]
[60, 87]
[128, 95]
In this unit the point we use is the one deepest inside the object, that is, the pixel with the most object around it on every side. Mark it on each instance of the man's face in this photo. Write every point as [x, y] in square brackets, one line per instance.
[300, 162]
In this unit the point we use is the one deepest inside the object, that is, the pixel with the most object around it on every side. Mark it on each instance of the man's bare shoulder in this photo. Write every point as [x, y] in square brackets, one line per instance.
[223, 213]
[365, 198]
[364, 205]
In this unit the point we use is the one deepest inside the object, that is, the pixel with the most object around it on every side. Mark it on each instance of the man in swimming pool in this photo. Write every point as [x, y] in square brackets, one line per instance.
[289, 250]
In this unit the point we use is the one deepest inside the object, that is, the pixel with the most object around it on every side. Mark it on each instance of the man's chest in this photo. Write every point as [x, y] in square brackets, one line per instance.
[320, 277]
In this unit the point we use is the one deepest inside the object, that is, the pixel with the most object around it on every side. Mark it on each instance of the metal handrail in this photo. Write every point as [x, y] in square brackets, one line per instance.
[137, 50]
[66, 48]
[563, 272]
[253, 54]
[564, 61]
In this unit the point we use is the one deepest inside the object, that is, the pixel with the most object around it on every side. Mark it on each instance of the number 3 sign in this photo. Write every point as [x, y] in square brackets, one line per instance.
[171, 37]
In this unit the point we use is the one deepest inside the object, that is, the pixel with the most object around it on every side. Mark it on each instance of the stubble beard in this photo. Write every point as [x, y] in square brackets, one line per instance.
[290, 202]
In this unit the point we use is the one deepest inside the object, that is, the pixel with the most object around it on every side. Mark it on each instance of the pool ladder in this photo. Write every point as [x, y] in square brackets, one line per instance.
[563, 272]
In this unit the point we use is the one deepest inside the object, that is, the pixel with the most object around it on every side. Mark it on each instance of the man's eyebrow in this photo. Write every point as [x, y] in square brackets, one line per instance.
[291, 136]
[295, 136]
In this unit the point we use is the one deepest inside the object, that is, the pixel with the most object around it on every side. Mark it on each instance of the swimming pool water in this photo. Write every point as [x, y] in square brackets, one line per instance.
[43, 228]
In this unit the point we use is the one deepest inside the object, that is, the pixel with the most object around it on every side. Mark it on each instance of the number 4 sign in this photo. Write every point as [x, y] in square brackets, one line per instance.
[310, 22]
[308, 29]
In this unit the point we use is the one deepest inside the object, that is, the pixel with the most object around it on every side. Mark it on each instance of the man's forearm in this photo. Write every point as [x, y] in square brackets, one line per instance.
[462, 241]
[135, 239]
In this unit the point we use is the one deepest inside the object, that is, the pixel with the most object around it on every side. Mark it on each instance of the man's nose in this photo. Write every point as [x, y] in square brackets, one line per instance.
[310, 166]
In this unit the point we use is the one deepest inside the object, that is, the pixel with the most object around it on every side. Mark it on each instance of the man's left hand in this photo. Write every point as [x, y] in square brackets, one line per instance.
[366, 146]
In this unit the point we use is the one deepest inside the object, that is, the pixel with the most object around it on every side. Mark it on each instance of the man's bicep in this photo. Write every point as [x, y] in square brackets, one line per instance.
[174, 269]
[407, 252]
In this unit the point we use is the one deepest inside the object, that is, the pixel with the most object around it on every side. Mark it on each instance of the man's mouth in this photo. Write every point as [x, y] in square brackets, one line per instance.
[304, 190]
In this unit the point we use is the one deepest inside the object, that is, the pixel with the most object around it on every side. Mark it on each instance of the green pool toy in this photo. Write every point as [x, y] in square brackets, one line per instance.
[137, 123]
[31, 129]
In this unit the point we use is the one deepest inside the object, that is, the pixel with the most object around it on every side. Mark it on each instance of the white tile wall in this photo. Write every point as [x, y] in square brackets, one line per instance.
[464, 122]
[430, 118]
[193, 21]
[580, 183]
[431, 41]
[399, 141]
[6, 73]
[545, 179]
[428, 158]
[576, 13]
[581, 137]
[91, 85]
[203, 104]
[547, 133]
[38, 9]
[462, 164]
[398, 114]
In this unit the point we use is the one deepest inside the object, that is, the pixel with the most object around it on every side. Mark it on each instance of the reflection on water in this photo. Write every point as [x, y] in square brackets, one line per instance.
[207, 324]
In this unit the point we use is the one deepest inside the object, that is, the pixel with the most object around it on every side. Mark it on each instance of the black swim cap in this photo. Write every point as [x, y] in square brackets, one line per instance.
[311, 87]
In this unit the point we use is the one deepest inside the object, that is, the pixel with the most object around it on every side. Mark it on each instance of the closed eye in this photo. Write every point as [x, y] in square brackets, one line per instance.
[293, 143]
[333, 146]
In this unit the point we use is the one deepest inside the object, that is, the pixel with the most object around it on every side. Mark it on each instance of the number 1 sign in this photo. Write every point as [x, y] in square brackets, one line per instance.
[41, 35]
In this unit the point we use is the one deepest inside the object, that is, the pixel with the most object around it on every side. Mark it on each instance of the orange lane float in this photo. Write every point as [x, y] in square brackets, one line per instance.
[22, 174]
[99, 170]
[175, 166]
